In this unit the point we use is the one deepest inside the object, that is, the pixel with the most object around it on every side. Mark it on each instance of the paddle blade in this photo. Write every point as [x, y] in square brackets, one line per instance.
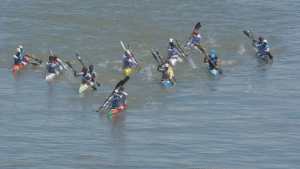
[247, 33]
[198, 25]
[123, 46]
[155, 56]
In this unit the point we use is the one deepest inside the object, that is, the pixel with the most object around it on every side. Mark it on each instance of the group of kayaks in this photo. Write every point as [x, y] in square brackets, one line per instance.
[127, 72]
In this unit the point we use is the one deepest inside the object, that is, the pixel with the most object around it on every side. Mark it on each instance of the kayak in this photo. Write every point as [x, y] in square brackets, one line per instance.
[214, 72]
[83, 87]
[167, 84]
[118, 110]
[18, 67]
[128, 71]
[52, 76]
[263, 58]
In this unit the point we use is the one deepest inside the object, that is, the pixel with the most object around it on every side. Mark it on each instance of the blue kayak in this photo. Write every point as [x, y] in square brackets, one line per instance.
[167, 84]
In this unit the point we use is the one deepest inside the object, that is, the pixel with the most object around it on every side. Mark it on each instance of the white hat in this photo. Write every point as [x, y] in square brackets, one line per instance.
[171, 40]
[20, 46]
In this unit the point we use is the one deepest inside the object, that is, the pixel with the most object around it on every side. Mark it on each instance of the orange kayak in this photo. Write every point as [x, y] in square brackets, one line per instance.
[119, 109]
[18, 67]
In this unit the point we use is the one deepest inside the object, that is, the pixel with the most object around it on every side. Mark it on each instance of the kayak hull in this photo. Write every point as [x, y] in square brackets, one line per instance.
[18, 67]
[215, 72]
[119, 109]
[51, 76]
[128, 71]
[83, 87]
[166, 84]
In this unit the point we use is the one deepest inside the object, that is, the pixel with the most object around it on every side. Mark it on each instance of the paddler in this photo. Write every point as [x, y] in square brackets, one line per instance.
[263, 48]
[167, 72]
[213, 60]
[20, 57]
[119, 98]
[85, 76]
[195, 40]
[92, 73]
[129, 63]
[52, 66]
[173, 53]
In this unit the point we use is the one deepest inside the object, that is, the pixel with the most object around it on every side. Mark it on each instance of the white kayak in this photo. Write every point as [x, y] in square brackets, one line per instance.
[83, 87]
[215, 72]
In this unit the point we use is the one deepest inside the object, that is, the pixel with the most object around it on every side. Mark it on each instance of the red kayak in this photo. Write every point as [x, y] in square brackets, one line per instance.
[119, 109]
[20, 66]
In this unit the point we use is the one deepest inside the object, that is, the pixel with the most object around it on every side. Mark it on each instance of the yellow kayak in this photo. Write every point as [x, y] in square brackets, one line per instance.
[83, 88]
[129, 71]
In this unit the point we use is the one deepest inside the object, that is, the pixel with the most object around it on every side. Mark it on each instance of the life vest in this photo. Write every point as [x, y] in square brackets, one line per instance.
[52, 67]
[128, 62]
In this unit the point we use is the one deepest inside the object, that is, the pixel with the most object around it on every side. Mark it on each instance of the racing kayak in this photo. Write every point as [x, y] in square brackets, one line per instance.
[51, 76]
[118, 109]
[129, 71]
[83, 87]
[263, 58]
[166, 84]
[18, 67]
[215, 72]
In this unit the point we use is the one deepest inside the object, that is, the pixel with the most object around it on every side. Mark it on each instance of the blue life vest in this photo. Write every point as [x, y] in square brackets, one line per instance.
[52, 67]
[128, 62]
[262, 48]
[172, 52]
[196, 39]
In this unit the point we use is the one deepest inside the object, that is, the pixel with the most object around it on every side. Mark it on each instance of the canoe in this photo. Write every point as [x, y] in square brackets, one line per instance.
[167, 84]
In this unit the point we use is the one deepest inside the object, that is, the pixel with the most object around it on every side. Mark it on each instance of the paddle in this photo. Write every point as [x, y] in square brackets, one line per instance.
[83, 65]
[107, 101]
[70, 65]
[185, 56]
[39, 61]
[156, 56]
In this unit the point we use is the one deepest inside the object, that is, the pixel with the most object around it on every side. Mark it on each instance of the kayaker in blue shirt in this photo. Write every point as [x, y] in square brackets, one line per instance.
[195, 40]
[119, 98]
[52, 66]
[173, 53]
[263, 48]
[19, 57]
[129, 60]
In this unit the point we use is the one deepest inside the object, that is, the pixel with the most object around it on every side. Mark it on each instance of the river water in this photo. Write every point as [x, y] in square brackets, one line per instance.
[247, 119]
